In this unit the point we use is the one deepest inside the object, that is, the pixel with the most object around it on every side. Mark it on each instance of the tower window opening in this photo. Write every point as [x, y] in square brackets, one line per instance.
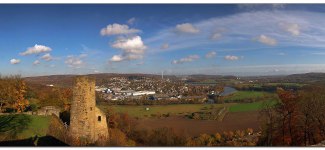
[99, 118]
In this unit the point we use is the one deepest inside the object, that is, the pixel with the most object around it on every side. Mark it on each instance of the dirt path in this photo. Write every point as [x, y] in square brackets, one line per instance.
[232, 121]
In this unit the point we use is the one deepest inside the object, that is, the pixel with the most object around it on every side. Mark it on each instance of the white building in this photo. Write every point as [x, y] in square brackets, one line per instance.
[126, 92]
[138, 93]
[97, 89]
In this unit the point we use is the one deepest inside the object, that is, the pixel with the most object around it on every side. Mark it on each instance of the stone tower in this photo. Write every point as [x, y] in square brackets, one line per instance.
[87, 122]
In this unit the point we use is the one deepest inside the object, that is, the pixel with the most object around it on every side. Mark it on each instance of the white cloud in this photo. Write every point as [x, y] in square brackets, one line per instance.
[276, 70]
[36, 49]
[292, 28]
[131, 56]
[83, 55]
[47, 57]
[216, 36]
[36, 62]
[278, 5]
[230, 57]
[318, 53]
[164, 46]
[74, 61]
[116, 58]
[130, 45]
[189, 58]
[15, 61]
[266, 40]
[218, 33]
[186, 28]
[255, 7]
[240, 33]
[131, 21]
[211, 54]
[116, 29]
[132, 48]
[282, 54]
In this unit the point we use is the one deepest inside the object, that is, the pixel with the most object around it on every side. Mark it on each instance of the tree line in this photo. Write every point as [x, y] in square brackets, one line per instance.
[298, 120]
[18, 96]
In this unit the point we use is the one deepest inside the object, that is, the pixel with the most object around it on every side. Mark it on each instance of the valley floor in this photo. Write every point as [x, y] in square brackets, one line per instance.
[232, 121]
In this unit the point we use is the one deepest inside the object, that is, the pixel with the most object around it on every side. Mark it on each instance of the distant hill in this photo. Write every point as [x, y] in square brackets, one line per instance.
[308, 76]
[304, 78]
[61, 80]
[67, 80]
[202, 76]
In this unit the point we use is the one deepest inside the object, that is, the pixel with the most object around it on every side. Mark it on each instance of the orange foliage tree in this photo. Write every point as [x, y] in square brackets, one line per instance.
[297, 120]
[20, 102]
[12, 93]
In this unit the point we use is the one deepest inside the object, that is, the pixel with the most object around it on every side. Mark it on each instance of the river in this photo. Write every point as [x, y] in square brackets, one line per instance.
[228, 90]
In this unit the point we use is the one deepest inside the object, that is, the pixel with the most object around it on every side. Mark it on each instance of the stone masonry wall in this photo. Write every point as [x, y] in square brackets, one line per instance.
[87, 122]
[83, 118]
[101, 125]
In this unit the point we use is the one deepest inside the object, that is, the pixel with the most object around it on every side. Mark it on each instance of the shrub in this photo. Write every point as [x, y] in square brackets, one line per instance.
[196, 116]
[60, 132]
[217, 137]
[118, 138]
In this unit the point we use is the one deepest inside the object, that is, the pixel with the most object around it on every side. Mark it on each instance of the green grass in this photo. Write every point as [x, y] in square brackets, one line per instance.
[38, 126]
[23, 126]
[287, 84]
[250, 106]
[180, 109]
[241, 95]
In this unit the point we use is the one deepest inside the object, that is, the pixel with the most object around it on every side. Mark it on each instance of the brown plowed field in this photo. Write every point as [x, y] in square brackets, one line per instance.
[231, 122]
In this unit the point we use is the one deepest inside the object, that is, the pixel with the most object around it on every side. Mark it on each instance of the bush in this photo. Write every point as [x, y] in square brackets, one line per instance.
[165, 137]
[196, 116]
[166, 115]
[118, 138]
[225, 139]
[33, 107]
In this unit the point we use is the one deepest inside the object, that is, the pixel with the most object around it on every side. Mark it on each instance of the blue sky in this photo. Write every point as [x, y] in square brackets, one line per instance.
[182, 39]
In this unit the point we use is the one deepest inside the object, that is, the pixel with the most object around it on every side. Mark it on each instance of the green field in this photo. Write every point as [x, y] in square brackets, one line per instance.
[23, 126]
[179, 109]
[286, 84]
[260, 85]
[250, 106]
[242, 95]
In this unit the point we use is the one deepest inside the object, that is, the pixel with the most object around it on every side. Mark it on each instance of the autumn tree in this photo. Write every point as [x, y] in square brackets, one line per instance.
[12, 93]
[297, 120]
[268, 119]
[287, 110]
[230, 138]
[118, 138]
[20, 90]
[312, 106]
[4, 93]
[54, 96]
